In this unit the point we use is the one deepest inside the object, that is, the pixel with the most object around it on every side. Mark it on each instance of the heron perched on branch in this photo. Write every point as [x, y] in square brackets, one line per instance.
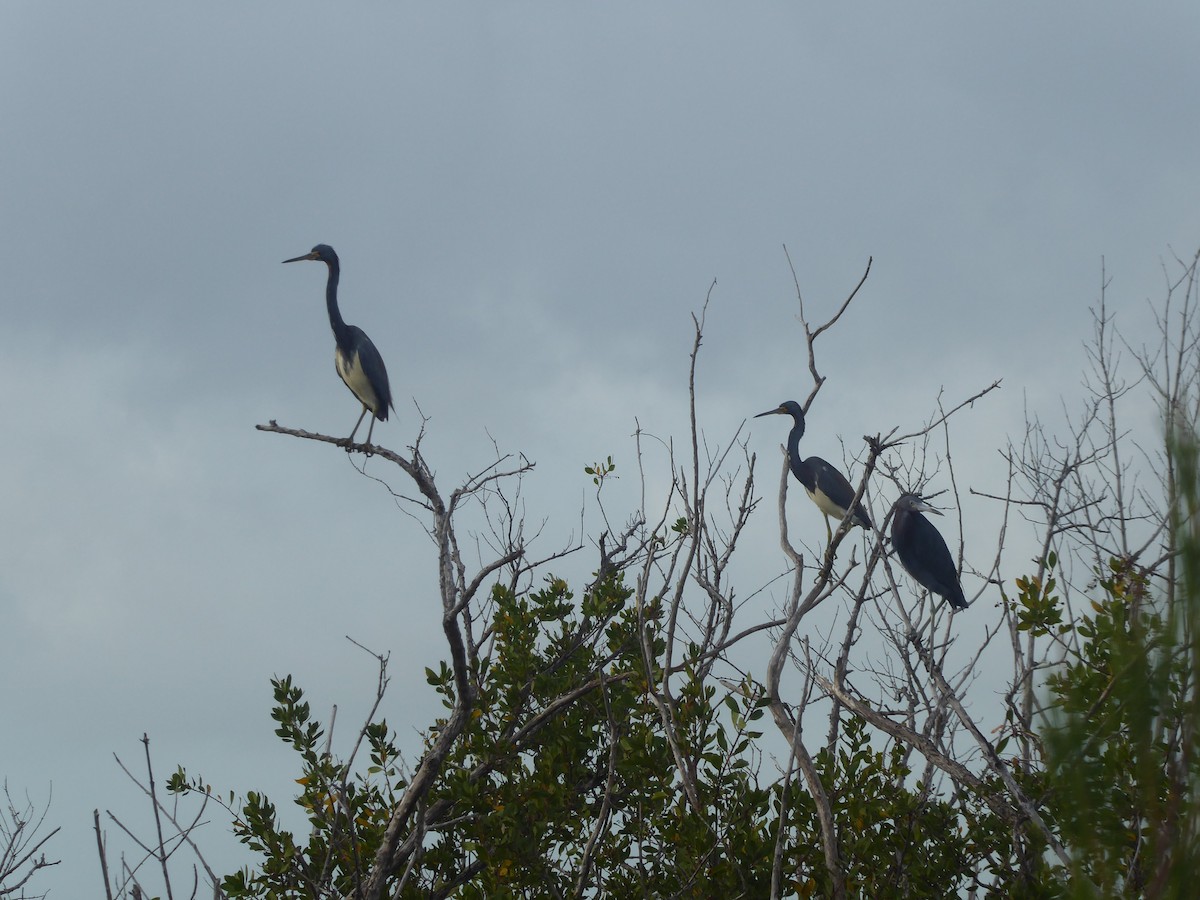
[827, 487]
[357, 361]
[923, 551]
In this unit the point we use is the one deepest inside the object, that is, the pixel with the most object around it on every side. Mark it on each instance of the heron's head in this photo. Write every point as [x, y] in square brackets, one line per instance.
[787, 408]
[913, 503]
[322, 252]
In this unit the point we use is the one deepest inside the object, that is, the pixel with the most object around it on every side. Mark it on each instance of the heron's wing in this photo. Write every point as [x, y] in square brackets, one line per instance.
[833, 492]
[371, 364]
[929, 561]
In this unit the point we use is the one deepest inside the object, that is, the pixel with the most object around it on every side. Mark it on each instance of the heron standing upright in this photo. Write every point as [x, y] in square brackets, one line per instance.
[923, 551]
[827, 487]
[357, 361]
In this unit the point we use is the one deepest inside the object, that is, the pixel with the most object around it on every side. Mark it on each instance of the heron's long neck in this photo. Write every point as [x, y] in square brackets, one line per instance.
[335, 316]
[794, 440]
[798, 468]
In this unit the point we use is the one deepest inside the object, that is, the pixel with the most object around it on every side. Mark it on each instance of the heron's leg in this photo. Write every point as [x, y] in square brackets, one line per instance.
[371, 428]
[350, 440]
[828, 532]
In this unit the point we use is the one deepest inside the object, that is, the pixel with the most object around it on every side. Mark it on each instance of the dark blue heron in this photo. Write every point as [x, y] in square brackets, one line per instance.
[827, 487]
[357, 361]
[923, 551]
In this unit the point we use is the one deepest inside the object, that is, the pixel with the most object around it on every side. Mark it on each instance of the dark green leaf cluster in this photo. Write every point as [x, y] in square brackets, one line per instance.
[1121, 742]
[567, 769]
[347, 814]
[1038, 609]
[896, 837]
[566, 775]
[600, 471]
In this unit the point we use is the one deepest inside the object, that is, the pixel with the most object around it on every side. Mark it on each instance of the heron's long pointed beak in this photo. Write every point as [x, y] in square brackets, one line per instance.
[922, 506]
[298, 258]
[777, 411]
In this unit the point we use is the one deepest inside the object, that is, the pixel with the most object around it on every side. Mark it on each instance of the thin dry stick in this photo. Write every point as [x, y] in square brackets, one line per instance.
[16, 851]
[812, 335]
[161, 850]
[103, 855]
[183, 833]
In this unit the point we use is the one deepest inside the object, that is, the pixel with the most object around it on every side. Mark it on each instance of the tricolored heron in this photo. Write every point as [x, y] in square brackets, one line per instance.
[923, 551]
[357, 361]
[827, 487]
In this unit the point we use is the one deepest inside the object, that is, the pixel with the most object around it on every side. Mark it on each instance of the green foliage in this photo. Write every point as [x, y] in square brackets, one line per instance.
[1122, 736]
[534, 774]
[600, 471]
[347, 815]
[1038, 609]
[896, 839]
[565, 765]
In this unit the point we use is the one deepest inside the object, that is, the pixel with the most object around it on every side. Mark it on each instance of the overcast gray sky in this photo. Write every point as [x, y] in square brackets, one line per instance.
[528, 200]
